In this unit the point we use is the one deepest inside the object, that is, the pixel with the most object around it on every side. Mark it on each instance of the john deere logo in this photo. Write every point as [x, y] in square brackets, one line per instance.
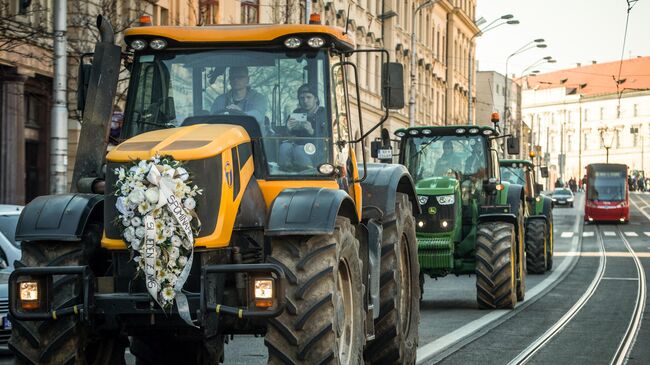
[433, 210]
[228, 173]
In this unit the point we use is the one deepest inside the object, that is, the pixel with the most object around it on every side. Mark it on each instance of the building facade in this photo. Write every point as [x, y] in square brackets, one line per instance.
[581, 115]
[26, 76]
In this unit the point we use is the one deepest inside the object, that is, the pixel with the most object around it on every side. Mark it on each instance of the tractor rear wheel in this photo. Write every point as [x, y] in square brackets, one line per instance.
[536, 247]
[65, 340]
[549, 239]
[520, 269]
[496, 265]
[323, 321]
[396, 328]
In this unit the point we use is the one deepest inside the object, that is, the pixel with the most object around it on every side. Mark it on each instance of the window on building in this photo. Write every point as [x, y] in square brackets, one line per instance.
[250, 11]
[635, 139]
[586, 141]
[211, 13]
[635, 110]
[568, 116]
[617, 139]
[586, 114]
[602, 113]
[569, 142]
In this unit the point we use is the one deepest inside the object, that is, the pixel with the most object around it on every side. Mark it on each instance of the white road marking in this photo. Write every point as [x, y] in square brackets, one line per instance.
[647, 233]
[609, 233]
[567, 234]
[631, 279]
[589, 234]
[631, 234]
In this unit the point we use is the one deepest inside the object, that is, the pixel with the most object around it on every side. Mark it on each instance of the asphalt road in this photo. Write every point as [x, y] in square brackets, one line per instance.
[592, 267]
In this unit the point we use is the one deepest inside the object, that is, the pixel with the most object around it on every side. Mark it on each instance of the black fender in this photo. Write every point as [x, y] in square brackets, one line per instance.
[309, 211]
[515, 195]
[382, 183]
[59, 217]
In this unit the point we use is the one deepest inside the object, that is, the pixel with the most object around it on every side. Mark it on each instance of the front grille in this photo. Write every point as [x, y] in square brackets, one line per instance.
[205, 173]
[431, 222]
[4, 306]
[4, 333]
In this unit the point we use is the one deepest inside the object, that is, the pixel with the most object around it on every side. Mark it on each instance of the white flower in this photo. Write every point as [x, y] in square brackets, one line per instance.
[136, 221]
[139, 232]
[135, 244]
[136, 196]
[121, 173]
[168, 293]
[160, 275]
[152, 195]
[187, 244]
[121, 206]
[144, 207]
[174, 253]
[168, 231]
[126, 221]
[190, 203]
[182, 261]
[176, 241]
[182, 174]
[158, 265]
[171, 278]
[129, 234]
[125, 189]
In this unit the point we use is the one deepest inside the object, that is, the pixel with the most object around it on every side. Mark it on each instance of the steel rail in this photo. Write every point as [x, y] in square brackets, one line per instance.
[540, 342]
[627, 343]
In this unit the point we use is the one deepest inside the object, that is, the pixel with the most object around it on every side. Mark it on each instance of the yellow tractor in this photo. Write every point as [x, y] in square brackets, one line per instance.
[290, 234]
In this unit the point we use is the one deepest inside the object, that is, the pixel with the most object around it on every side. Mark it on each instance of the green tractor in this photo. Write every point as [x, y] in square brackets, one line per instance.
[470, 222]
[539, 224]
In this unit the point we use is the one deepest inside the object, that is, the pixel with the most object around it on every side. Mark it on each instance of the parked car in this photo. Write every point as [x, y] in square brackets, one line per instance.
[9, 247]
[562, 196]
[5, 325]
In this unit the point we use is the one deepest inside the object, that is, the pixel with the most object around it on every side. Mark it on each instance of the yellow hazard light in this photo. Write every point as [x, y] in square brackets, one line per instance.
[500, 187]
[29, 295]
[145, 20]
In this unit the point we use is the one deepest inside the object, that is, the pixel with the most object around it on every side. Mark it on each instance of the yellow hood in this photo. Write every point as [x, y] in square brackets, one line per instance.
[183, 143]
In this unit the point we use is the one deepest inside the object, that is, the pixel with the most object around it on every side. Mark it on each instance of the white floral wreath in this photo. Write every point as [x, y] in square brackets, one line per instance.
[156, 202]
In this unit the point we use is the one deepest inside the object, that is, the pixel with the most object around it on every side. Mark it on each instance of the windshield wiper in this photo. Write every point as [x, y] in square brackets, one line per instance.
[433, 139]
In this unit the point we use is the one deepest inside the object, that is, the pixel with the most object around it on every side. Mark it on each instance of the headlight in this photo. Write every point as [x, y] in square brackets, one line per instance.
[553, 199]
[316, 42]
[423, 199]
[29, 295]
[158, 44]
[570, 200]
[293, 42]
[445, 199]
[138, 44]
[444, 224]
[263, 288]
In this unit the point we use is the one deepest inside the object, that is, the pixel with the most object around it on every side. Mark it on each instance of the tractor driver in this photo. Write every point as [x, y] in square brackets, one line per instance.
[475, 163]
[447, 161]
[241, 98]
[308, 120]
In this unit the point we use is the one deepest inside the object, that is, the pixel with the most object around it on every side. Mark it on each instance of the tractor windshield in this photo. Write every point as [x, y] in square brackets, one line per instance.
[283, 92]
[513, 174]
[460, 156]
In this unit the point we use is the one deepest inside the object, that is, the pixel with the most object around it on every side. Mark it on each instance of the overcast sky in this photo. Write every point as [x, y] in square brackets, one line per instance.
[575, 31]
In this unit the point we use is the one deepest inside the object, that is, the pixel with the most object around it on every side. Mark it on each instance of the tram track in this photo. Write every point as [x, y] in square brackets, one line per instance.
[541, 341]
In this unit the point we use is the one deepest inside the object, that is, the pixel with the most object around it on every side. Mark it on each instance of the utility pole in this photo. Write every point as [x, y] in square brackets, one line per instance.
[414, 60]
[59, 127]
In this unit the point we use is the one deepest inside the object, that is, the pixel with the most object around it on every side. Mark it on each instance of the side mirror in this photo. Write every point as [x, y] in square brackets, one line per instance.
[383, 153]
[544, 171]
[513, 145]
[392, 85]
[83, 78]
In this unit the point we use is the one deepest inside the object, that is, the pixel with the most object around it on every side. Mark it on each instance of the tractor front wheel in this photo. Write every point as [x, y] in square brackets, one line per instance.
[65, 340]
[324, 317]
[496, 265]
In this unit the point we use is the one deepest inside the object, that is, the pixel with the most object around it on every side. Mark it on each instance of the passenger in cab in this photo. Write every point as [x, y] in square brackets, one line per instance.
[308, 120]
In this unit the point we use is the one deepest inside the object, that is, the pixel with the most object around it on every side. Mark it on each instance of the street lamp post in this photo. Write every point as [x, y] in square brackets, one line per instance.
[606, 134]
[528, 46]
[508, 20]
[423, 5]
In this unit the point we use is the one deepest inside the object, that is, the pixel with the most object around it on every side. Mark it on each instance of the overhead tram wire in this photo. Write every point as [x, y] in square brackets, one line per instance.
[617, 80]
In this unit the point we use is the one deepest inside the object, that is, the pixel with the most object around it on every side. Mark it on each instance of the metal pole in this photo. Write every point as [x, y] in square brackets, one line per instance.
[470, 120]
[307, 10]
[59, 127]
[580, 132]
[413, 61]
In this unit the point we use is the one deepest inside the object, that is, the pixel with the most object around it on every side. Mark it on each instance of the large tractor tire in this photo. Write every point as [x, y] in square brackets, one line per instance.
[520, 269]
[550, 239]
[324, 319]
[64, 340]
[396, 328]
[496, 265]
[536, 247]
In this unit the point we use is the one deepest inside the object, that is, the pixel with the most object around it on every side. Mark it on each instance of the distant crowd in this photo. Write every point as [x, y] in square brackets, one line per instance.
[638, 183]
[572, 184]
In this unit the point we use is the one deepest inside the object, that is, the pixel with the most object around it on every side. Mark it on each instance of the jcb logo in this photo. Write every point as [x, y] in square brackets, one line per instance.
[228, 174]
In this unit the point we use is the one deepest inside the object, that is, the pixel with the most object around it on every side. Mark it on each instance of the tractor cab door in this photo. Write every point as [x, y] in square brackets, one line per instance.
[344, 157]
